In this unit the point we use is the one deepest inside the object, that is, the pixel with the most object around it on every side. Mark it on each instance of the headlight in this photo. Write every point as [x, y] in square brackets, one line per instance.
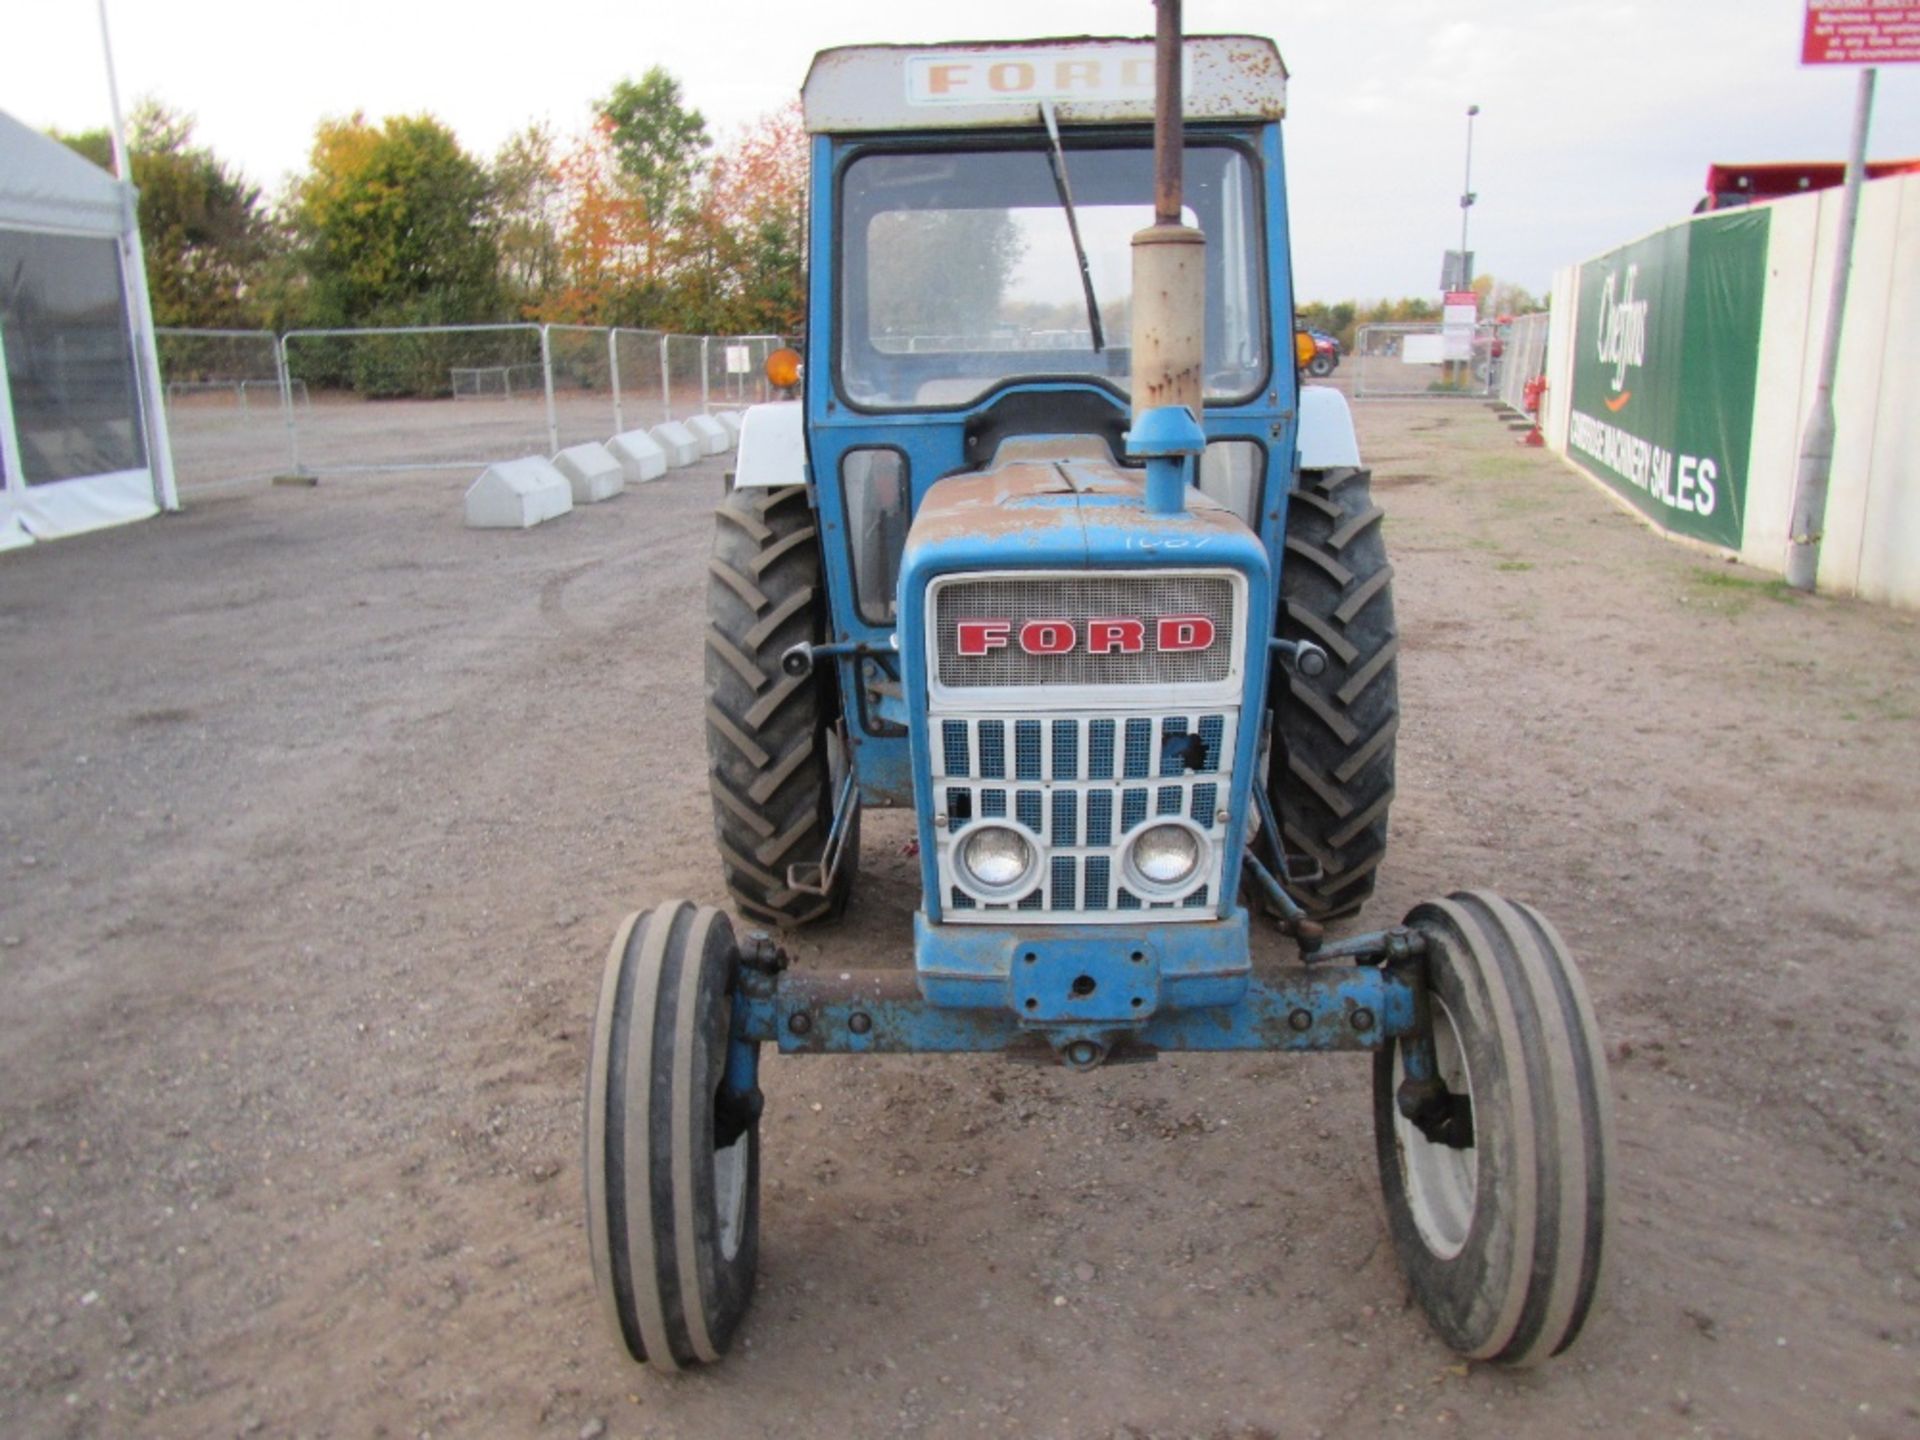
[1165, 857]
[995, 857]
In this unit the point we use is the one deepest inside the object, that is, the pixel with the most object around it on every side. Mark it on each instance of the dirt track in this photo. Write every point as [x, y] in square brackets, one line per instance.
[318, 811]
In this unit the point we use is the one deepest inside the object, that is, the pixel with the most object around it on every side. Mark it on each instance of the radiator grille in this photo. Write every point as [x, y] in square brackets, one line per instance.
[1076, 601]
[1088, 782]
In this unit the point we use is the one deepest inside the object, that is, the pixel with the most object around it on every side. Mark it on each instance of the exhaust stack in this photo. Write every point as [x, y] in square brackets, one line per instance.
[1169, 300]
[1169, 259]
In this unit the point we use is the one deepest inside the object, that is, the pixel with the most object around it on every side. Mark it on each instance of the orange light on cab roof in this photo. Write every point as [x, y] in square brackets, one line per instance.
[783, 368]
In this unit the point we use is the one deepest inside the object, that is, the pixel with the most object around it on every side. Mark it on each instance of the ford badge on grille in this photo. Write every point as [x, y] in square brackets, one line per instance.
[1104, 635]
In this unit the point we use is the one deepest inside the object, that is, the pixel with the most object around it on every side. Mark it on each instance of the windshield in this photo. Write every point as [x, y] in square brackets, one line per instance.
[957, 270]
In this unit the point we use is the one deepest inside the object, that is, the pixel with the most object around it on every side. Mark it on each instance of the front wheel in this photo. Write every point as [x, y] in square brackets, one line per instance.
[672, 1159]
[1499, 1202]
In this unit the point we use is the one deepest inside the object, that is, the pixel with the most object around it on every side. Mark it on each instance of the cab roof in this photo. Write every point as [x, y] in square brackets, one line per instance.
[972, 84]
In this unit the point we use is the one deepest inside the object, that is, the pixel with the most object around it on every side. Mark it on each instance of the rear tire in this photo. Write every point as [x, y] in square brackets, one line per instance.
[1502, 1241]
[772, 738]
[672, 1172]
[1331, 772]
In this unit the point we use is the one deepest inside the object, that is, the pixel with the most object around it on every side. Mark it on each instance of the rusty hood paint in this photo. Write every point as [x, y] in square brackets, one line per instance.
[1072, 509]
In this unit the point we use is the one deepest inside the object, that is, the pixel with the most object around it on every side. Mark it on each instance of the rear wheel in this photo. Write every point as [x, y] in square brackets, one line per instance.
[672, 1161]
[1499, 1205]
[773, 739]
[1330, 776]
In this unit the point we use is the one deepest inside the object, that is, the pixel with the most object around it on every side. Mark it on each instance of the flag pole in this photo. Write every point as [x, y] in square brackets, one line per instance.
[133, 265]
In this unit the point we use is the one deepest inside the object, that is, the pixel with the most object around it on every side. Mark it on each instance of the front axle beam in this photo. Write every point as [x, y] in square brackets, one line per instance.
[883, 1012]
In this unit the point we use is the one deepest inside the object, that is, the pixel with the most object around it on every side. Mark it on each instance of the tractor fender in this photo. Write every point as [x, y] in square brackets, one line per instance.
[1327, 441]
[773, 447]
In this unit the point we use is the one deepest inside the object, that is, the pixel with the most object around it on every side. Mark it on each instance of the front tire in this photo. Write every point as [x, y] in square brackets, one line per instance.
[773, 742]
[1502, 1239]
[1330, 777]
[672, 1164]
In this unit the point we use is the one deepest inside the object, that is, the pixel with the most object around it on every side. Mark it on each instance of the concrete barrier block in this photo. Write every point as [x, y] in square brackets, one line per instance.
[712, 435]
[730, 419]
[592, 471]
[639, 455]
[515, 494]
[679, 443]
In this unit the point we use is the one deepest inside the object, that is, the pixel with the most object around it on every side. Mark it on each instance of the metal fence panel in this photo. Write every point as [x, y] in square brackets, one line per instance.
[226, 407]
[1403, 362]
[1525, 359]
[583, 381]
[685, 359]
[737, 370]
[247, 405]
[640, 398]
[383, 399]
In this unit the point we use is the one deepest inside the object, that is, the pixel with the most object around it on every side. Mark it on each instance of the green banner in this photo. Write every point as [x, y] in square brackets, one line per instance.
[1663, 365]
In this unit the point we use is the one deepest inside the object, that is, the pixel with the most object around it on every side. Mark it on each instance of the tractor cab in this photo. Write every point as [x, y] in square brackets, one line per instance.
[972, 285]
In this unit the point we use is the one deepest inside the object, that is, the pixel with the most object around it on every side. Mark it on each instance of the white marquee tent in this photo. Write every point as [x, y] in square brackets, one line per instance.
[83, 439]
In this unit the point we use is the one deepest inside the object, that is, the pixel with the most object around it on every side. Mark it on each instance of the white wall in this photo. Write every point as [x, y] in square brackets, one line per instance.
[1560, 332]
[1872, 542]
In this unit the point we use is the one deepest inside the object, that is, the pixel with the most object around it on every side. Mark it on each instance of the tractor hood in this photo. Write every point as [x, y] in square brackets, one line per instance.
[1056, 538]
[1064, 506]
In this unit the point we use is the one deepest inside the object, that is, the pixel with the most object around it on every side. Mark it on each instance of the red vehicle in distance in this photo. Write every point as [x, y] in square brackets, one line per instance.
[1731, 186]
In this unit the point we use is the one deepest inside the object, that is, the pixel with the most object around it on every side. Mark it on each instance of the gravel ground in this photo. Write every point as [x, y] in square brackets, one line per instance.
[318, 812]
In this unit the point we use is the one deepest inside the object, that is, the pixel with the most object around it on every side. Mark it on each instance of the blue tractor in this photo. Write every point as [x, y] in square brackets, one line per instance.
[1053, 548]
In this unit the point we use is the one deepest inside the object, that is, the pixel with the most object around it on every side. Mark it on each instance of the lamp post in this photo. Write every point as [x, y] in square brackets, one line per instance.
[1467, 197]
[1459, 371]
[1816, 443]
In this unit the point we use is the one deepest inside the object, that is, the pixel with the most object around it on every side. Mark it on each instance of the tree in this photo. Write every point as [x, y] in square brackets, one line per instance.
[603, 233]
[658, 147]
[1503, 297]
[529, 207]
[208, 243]
[657, 141]
[1344, 319]
[758, 193]
[731, 260]
[396, 226]
[1336, 319]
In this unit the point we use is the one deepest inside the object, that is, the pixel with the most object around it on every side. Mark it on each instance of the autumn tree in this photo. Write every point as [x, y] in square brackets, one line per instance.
[732, 258]
[758, 194]
[603, 233]
[396, 226]
[208, 241]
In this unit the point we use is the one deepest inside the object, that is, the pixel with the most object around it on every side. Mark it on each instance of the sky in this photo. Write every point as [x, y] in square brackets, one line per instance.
[1598, 117]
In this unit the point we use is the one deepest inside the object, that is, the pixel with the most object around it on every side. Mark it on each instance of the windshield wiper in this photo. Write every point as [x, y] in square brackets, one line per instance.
[1057, 159]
